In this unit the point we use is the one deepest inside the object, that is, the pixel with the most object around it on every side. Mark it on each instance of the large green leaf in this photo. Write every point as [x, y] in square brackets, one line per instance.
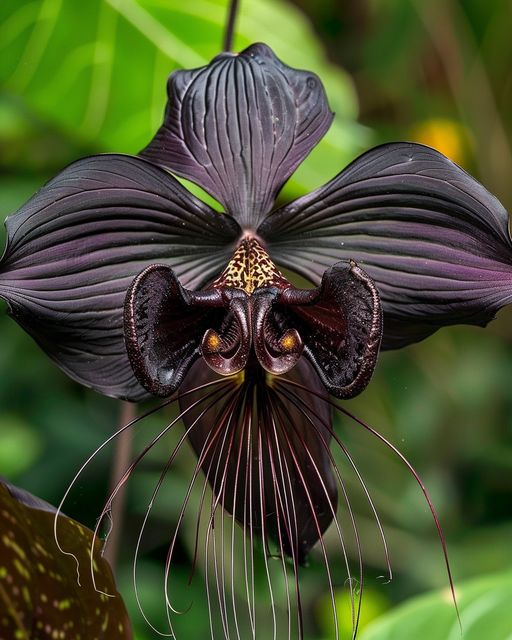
[484, 606]
[40, 596]
[100, 73]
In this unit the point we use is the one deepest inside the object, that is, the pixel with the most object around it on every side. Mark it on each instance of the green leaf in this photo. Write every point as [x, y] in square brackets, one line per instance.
[100, 74]
[484, 606]
[39, 591]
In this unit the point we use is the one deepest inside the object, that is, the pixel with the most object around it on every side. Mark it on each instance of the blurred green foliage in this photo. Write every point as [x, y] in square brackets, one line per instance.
[78, 78]
[484, 606]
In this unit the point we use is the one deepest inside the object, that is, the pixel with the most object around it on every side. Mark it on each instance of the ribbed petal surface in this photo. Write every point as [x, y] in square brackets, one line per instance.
[435, 242]
[265, 456]
[74, 248]
[239, 127]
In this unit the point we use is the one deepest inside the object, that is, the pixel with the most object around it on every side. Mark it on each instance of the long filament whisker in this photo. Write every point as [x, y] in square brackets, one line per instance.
[248, 501]
[222, 500]
[264, 533]
[132, 466]
[216, 498]
[411, 469]
[279, 506]
[243, 424]
[298, 402]
[157, 489]
[293, 452]
[353, 465]
[283, 465]
[119, 431]
[210, 440]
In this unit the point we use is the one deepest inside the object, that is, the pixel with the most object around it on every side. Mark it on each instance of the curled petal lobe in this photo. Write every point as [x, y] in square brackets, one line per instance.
[168, 327]
[337, 326]
[434, 241]
[341, 326]
[278, 347]
[226, 351]
[239, 127]
[75, 247]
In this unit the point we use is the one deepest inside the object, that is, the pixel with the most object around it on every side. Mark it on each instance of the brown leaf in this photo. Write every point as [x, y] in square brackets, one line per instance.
[40, 597]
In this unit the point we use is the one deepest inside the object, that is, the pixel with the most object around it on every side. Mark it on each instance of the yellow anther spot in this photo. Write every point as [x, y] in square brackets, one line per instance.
[213, 342]
[64, 604]
[288, 343]
[3, 572]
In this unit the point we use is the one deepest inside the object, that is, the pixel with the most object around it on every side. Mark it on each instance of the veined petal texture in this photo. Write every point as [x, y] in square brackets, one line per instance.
[239, 127]
[433, 239]
[75, 247]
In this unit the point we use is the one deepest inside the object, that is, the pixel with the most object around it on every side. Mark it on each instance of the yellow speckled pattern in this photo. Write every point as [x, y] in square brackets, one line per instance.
[249, 268]
[40, 598]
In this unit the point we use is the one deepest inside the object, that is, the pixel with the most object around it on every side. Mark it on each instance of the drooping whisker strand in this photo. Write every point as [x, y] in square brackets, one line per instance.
[306, 412]
[295, 398]
[212, 397]
[132, 467]
[211, 440]
[411, 469]
[291, 531]
[295, 458]
[103, 445]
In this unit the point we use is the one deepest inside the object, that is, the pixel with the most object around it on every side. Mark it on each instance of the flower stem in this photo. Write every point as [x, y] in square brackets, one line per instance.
[122, 454]
[230, 25]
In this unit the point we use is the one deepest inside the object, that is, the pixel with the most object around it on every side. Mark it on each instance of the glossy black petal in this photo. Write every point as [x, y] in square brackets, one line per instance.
[435, 242]
[168, 327]
[75, 247]
[239, 127]
[340, 324]
[265, 457]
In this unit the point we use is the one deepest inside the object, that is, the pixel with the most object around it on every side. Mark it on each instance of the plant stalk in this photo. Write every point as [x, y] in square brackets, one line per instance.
[121, 460]
[230, 25]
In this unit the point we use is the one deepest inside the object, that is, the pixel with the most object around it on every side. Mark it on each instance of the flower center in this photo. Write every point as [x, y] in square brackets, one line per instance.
[249, 314]
[250, 268]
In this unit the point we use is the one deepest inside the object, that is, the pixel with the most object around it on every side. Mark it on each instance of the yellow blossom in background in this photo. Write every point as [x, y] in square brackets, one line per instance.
[445, 135]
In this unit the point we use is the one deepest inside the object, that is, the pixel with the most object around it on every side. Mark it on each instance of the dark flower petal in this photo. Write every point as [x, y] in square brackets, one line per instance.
[239, 128]
[340, 324]
[75, 247]
[435, 242]
[266, 462]
[167, 327]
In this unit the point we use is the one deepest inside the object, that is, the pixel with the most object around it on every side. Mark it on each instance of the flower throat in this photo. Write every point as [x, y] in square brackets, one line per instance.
[250, 268]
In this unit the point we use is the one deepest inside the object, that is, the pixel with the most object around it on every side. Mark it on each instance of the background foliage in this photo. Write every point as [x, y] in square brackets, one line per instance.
[79, 78]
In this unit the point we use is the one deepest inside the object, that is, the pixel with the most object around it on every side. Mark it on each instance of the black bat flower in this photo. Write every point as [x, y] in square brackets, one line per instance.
[205, 299]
